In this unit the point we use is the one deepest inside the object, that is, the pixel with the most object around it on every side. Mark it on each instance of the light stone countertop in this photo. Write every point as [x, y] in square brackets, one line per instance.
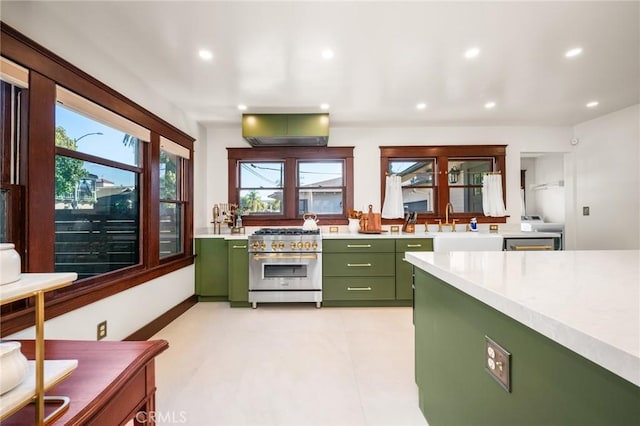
[30, 283]
[587, 301]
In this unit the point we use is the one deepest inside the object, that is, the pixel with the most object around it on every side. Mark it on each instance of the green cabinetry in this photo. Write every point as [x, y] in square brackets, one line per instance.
[211, 269]
[358, 270]
[404, 270]
[238, 263]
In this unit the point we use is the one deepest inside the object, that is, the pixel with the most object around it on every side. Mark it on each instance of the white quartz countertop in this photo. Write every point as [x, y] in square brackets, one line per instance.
[29, 284]
[587, 301]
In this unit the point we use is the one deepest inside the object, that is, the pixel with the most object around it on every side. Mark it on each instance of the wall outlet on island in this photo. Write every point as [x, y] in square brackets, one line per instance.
[585, 211]
[102, 330]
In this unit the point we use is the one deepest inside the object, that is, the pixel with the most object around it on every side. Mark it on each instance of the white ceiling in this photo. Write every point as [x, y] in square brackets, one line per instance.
[388, 56]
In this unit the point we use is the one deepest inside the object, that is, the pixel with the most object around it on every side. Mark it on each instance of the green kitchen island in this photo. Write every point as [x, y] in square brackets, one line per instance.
[569, 322]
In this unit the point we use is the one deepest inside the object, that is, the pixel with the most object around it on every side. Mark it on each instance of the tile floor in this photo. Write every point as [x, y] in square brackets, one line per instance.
[288, 364]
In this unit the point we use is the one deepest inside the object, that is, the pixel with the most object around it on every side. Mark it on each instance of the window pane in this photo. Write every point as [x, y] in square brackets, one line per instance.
[96, 215]
[261, 201]
[468, 172]
[170, 229]
[320, 173]
[466, 200]
[79, 133]
[261, 175]
[418, 199]
[414, 173]
[320, 201]
[169, 184]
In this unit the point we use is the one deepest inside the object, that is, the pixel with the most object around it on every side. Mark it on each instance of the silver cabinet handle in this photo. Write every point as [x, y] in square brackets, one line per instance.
[414, 245]
[532, 247]
[239, 247]
[358, 265]
[358, 245]
[359, 288]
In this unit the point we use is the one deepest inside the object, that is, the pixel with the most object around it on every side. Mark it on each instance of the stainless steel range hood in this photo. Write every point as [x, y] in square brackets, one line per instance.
[286, 129]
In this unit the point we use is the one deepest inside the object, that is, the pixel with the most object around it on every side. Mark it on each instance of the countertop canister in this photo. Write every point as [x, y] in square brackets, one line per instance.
[9, 264]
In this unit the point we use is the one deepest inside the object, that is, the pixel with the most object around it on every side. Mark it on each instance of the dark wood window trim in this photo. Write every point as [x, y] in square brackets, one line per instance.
[290, 155]
[442, 153]
[46, 70]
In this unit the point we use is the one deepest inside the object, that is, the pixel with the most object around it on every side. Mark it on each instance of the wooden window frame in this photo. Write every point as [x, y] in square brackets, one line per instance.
[442, 153]
[290, 156]
[37, 165]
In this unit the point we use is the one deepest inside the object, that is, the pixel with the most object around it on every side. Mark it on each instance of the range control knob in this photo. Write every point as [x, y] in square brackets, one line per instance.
[307, 245]
[300, 245]
[274, 246]
[263, 245]
[293, 245]
[314, 245]
[255, 245]
[281, 245]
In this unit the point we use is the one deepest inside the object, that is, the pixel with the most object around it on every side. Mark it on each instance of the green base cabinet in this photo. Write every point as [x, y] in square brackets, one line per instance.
[357, 270]
[211, 268]
[404, 270]
[238, 257]
[550, 384]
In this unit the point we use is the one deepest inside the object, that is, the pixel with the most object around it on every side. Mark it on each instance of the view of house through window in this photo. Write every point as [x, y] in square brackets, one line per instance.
[419, 185]
[97, 196]
[320, 186]
[465, 183]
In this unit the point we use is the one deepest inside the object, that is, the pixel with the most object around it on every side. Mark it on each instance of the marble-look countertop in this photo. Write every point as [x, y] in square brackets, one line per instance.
[30, 283]
[587, 301]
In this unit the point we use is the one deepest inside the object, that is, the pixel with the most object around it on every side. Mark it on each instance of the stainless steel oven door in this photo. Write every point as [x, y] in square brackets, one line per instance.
[285, 271]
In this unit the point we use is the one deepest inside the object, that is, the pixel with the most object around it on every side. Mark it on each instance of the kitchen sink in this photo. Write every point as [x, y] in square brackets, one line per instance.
[466, 241]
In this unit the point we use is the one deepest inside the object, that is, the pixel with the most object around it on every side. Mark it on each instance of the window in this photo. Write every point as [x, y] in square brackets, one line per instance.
[320, 186]
[97, 196]
[173, 162]
[80, 181]
[276, 186]
[433, 176]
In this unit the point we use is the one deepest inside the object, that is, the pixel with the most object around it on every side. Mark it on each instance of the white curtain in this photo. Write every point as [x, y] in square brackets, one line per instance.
[492, 201]
[393, 207]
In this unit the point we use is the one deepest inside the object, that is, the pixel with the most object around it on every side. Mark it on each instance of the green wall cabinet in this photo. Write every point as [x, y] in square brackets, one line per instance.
[211, 269]
[238, 273]
[550, 384]
[404, 270]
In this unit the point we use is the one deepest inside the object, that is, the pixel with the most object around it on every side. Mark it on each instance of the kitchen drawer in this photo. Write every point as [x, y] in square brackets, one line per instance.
[358, 246]
[358, 264]
[523, 244]
[414, 244]
[358, 288]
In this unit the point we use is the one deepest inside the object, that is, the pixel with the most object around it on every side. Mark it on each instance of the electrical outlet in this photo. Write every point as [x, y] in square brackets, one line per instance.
[497, 363]
[102, 330]
[585, 211]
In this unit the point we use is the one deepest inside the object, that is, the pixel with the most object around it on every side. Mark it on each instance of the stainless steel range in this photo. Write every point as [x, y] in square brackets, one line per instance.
[285, 265]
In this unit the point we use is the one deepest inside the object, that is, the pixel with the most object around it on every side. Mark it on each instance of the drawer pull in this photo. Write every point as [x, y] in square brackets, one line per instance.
[532, 247]
[359, 288]
[239, 247]
[358, 245]
[414, 245]
[358, 265]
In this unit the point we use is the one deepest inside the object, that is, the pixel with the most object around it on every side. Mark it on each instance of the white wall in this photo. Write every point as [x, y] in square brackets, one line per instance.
[604, 167]
[124, 312]
[367, 139]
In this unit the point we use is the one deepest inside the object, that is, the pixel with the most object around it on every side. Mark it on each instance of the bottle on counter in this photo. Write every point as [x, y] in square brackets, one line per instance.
[473, 224]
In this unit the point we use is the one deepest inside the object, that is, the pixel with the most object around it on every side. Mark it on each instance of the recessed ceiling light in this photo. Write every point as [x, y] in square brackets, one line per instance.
[327, 53]
[205, 55]
[573, 52]
[324, 106]
[242, 107]
[471, 52]
[490, 105]
[421, 105]
[592, 104]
